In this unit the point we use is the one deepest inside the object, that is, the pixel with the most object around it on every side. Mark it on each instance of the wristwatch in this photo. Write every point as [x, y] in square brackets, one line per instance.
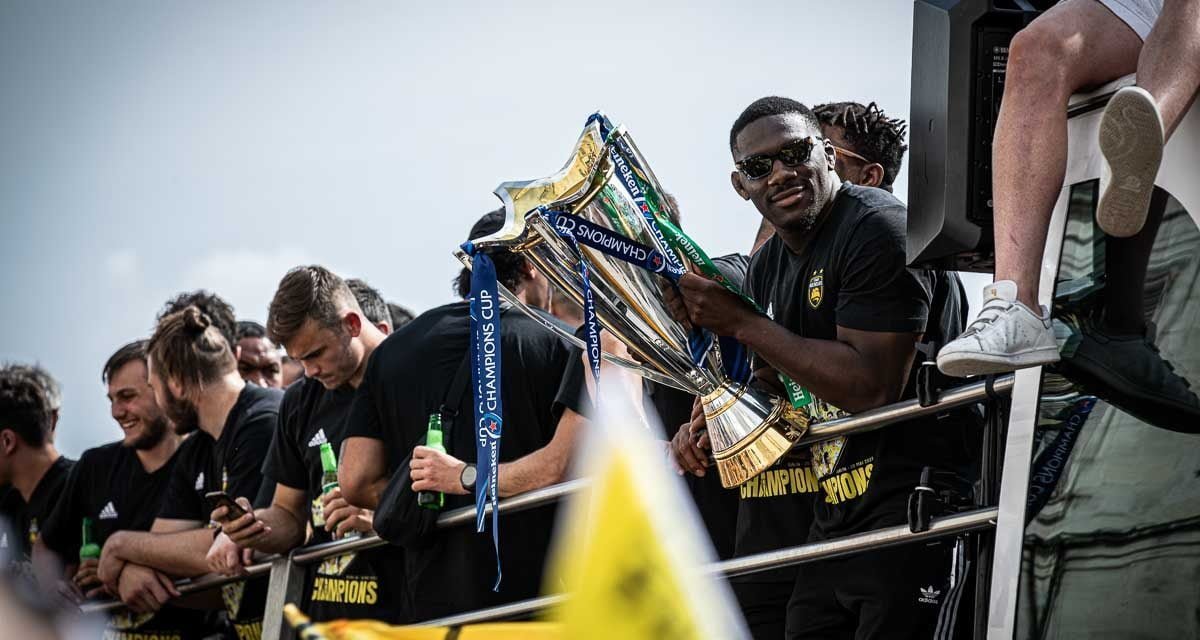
[467, 477]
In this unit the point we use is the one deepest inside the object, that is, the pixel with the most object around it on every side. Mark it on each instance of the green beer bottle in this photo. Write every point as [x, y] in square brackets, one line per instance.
[329, 480]
[90, 550]
[433, 439]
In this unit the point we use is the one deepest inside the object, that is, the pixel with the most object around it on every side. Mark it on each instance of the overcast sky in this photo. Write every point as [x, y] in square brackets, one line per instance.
[148, 148]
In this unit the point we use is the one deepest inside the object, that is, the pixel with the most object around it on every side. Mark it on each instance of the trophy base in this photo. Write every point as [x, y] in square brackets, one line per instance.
[749, 431]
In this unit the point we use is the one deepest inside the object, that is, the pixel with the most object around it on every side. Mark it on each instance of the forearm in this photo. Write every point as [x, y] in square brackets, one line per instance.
[286, 531]
[547, 465]
[536, 470]
[832, 370]
[180, 554]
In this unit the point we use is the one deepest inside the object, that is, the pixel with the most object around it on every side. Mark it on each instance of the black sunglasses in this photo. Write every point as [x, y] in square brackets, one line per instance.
[793, 154]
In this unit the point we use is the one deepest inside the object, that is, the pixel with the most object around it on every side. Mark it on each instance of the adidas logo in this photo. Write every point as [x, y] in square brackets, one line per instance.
[109, 512]
[771, 310]
[929, 595]
[200, 482]
[318, 439]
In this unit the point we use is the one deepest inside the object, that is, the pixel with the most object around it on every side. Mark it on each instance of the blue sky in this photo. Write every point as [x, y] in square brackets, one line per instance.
[152, 147]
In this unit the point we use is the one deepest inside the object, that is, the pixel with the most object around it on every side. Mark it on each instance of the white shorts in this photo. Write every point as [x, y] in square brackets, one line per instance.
[1140, 15]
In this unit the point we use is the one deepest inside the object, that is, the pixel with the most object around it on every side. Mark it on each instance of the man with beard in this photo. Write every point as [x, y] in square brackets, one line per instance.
[194, 376]
[843, 319]
[317, 318]
[119, 487]
[30, 465]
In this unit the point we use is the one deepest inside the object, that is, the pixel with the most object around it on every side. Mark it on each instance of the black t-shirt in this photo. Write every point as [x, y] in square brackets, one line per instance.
[230, 464]
[406, 380]
[853, 274]
[110, 486]
[366, 584]
[26, 520]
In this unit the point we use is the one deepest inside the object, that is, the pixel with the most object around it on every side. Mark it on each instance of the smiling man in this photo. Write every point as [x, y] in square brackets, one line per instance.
[843, 318]
[119, 487]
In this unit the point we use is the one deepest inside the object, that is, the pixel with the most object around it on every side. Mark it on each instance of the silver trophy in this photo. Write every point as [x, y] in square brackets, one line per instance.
[607, 184]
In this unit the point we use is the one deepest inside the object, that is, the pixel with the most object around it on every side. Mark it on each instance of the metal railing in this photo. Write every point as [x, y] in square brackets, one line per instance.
[287, 574]
[872, 540]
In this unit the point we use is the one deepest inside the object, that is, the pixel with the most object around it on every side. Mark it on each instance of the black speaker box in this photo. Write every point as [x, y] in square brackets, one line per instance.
[959, 55]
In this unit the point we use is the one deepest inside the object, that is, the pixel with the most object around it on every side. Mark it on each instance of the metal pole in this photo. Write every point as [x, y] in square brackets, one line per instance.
[454, 518]
[501, 612]
[185, 587]
[287, 585]
[900, 411]
[870, 541]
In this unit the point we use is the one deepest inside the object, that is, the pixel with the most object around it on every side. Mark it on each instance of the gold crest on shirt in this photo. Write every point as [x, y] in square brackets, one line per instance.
[816, 288]
[232, 594]
[336, 565]
[826, 455]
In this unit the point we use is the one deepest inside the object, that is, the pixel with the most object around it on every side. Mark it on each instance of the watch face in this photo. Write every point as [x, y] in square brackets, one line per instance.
[468, 476]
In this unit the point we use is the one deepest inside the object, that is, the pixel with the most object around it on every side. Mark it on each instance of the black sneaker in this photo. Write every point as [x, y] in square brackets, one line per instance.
[1128, 372]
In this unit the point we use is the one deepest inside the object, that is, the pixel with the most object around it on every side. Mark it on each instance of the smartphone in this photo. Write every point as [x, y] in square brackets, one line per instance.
[221, 499]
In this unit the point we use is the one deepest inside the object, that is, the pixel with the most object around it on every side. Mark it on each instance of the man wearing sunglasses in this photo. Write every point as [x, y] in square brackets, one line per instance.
[843, 318]
[868, 146]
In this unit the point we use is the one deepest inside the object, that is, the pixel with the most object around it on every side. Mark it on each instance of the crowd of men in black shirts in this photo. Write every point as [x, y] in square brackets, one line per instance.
[201, 409]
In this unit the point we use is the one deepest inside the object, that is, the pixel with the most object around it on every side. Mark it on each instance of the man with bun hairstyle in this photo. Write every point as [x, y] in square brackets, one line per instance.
[194, 376]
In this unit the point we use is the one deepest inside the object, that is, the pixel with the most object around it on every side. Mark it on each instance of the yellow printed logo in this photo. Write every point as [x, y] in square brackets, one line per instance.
[248, 630]
[127, 620]
[345, 590]
[318, 513]
[231, 594]
[780, 482]
[848, 485]
[335, 565]
[33, 531]
[816, 288]
[826, 454]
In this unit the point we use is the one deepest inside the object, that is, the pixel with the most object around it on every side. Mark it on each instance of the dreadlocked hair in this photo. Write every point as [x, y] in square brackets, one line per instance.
[870, 133]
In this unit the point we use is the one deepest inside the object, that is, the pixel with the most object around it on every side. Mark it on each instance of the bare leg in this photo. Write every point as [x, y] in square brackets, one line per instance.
[1169, 66]
[1076, 44]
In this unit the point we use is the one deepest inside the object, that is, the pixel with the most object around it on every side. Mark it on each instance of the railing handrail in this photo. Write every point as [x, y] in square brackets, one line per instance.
[878, 539]
[857, 423]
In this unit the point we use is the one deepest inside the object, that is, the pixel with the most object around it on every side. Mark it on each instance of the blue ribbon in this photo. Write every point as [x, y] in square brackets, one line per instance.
[486, 381]
[1048, 468]
[574, 229]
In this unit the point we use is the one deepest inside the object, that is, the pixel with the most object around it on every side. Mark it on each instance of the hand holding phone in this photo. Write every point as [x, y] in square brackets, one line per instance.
[233, 510]
[239, 522]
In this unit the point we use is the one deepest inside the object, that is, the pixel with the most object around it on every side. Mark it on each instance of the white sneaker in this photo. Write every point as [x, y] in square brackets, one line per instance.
[1006, 336]
[1131, 141]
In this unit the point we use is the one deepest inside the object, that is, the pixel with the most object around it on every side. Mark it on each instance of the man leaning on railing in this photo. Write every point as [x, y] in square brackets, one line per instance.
[316, 317]
[422, 370]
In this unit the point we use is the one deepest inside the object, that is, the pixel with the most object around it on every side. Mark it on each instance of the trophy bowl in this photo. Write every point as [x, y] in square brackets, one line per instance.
[606, 209]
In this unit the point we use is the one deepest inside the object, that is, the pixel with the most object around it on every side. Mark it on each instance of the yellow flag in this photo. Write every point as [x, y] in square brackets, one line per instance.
[631, 551]
[375, 630]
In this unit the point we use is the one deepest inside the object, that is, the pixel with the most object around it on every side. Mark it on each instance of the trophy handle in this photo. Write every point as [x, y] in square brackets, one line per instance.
[635, 367]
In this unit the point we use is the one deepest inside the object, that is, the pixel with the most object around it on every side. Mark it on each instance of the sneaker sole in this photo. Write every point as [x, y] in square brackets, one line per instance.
[1131, 141]
[962, 365]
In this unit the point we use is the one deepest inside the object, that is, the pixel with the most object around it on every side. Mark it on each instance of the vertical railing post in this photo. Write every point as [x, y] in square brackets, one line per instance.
[287, 585]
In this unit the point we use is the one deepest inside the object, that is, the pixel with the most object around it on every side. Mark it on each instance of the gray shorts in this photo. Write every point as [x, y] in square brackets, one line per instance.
[1140, 15]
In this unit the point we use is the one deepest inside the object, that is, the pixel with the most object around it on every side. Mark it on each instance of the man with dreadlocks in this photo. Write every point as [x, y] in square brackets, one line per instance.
[868, 146]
